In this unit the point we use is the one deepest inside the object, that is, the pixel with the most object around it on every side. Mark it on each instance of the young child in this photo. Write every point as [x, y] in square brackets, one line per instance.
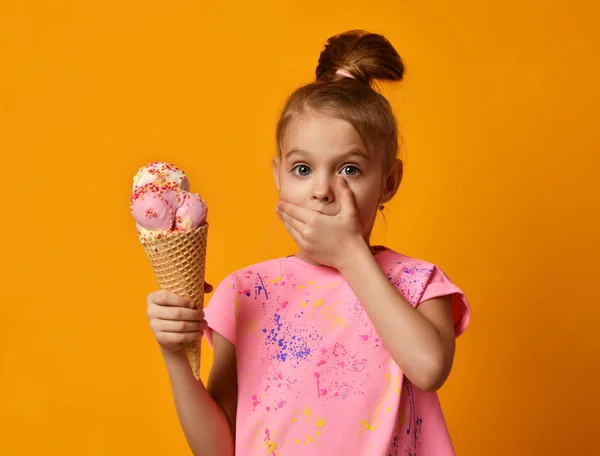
[339, 349]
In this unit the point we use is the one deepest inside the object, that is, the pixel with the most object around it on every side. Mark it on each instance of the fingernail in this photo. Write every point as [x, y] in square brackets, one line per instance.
[191, 305]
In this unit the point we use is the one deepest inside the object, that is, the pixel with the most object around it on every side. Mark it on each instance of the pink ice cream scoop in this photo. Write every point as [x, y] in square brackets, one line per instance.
[154, 207]
[191, 213]
[159, 204]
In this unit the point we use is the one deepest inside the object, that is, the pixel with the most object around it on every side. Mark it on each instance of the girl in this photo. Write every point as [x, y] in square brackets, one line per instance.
[339, 349]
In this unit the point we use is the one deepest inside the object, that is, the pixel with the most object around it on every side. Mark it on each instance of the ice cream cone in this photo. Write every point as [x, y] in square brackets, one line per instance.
[178, 260]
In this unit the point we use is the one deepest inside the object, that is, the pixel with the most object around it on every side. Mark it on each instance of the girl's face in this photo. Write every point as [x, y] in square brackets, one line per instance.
[315, 151]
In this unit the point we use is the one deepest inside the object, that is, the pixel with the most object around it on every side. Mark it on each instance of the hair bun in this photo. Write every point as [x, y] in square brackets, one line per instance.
[367, 57]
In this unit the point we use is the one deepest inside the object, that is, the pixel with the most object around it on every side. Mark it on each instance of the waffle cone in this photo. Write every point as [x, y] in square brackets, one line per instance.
[179, 261]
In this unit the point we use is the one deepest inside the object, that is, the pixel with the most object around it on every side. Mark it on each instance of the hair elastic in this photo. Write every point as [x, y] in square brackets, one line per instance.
[344, 73]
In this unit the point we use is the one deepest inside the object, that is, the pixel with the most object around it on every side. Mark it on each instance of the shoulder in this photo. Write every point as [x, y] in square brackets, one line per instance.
[403, 268]
[412, 276]
[250, 282]
[402, 261]
[419, 281]
[264, 268]
[263, 275]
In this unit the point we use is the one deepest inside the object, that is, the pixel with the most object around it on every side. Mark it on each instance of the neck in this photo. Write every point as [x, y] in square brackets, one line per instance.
[300, 255]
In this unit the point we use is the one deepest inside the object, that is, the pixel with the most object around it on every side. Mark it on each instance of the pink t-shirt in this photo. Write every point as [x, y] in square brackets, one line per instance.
[313, 376]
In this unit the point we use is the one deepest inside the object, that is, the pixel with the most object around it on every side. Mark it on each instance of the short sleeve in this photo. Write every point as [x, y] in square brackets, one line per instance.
[220, 312]
[440, 285]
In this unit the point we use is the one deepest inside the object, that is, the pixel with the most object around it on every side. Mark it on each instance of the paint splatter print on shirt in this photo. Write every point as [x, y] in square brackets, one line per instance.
[313, 375]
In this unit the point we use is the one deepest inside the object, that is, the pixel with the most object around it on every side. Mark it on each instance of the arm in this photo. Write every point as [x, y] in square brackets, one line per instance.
[421, 341]
[207, 415]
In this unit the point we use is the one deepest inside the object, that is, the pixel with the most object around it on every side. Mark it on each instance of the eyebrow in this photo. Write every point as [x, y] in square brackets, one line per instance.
[356, 152]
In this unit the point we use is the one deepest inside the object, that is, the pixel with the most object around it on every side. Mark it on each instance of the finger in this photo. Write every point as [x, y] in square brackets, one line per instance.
[178, 326]
[291, 221]
[175, 313]
[168, 298]
[346, 197]
[179, 338]
[299, 213]
[208, 288]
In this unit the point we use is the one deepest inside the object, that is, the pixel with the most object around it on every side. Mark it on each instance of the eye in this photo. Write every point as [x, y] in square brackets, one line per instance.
[350, 170]
[301, 170]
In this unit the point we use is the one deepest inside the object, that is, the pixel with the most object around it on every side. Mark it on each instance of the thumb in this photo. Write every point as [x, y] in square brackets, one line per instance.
[347, 201]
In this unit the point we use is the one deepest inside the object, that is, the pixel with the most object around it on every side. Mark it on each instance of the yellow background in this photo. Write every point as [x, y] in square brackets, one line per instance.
[499, 112]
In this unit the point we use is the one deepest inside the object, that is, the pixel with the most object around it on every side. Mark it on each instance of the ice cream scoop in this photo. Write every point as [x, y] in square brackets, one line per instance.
[191, 213]
[157, 172]
[153, 205]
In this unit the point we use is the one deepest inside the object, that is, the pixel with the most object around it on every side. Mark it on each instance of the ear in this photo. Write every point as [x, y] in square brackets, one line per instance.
[275, 167]
[392, 181]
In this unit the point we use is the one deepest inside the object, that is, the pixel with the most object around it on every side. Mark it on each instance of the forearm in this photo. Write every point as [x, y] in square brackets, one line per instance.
[202, 419]
[412, 340]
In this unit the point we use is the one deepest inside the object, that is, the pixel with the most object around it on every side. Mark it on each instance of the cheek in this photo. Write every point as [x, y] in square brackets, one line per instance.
[367, 204]
[367, 211]
[289, 190]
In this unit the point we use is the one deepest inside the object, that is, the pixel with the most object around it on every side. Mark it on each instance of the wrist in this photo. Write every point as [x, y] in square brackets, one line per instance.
[172, 354]
[355, 255]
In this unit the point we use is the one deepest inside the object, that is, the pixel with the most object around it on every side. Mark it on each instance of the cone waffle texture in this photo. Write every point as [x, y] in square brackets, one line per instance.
[178, 260]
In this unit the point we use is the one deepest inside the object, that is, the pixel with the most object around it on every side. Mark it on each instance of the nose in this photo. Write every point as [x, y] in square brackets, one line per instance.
[323, 191]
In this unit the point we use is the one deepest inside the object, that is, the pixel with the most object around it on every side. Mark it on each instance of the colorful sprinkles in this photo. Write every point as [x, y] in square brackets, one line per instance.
[159, 188]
